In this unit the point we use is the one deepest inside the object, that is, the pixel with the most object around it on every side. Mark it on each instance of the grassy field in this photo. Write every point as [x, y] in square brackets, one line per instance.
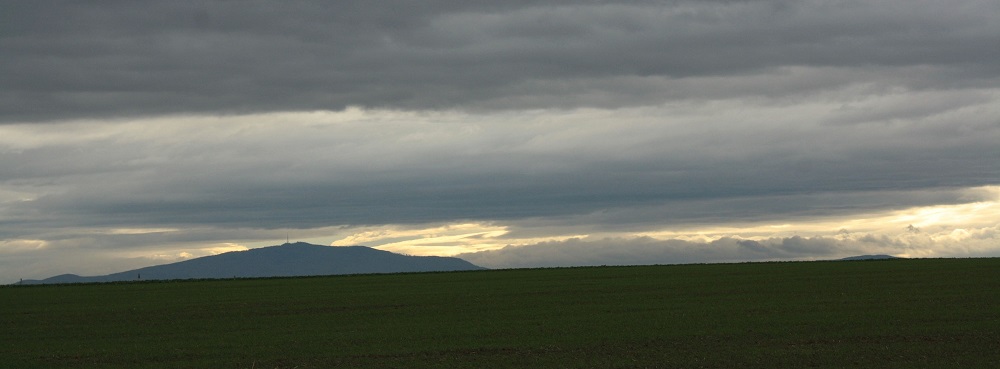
[933, 313]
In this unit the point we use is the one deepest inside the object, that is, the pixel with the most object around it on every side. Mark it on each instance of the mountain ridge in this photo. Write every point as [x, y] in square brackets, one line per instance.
[870, 257]
[286, 260]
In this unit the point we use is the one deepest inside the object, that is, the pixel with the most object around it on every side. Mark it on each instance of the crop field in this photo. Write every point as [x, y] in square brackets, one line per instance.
[921, 313]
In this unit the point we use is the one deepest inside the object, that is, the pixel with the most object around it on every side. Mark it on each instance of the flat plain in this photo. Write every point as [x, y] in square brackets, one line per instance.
[910, 313]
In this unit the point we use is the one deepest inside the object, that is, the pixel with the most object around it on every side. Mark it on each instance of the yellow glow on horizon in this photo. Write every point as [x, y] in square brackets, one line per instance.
[446, 240]
[952, 219]
[225, 247]
[382, 235]
[975, 213]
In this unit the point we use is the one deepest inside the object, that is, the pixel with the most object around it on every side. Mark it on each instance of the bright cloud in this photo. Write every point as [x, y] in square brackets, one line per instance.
[446, 240]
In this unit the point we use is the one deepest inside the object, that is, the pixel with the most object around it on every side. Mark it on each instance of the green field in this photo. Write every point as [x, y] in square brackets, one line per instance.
[924, 313]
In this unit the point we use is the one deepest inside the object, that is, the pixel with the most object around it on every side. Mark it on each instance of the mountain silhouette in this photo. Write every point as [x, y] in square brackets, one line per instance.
[870, 257]
[287, 260]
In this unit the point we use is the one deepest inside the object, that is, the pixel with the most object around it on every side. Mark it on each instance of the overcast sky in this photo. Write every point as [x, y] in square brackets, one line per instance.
[512, 133]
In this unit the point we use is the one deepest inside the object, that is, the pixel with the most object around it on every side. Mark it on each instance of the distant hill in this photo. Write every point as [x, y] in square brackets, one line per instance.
[288, 260]
[871, 257]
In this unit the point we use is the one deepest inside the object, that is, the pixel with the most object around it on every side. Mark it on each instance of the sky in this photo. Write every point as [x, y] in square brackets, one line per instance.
[508, 133]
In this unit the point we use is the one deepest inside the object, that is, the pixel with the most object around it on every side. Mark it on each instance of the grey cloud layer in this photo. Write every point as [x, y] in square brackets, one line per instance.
[71, 60]
[623, 168]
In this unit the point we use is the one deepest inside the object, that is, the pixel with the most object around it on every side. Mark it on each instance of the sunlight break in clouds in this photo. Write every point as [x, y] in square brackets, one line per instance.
[447, 240]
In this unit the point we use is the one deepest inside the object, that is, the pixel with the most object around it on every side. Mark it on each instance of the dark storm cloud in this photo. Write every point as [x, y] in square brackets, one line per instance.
[65, 60]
